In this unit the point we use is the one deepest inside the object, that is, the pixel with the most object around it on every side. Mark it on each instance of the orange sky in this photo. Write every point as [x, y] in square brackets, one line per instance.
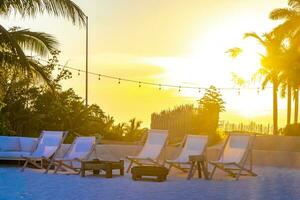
[179, 42]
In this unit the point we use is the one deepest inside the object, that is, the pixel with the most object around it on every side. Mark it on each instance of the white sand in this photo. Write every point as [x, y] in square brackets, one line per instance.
[272, 183]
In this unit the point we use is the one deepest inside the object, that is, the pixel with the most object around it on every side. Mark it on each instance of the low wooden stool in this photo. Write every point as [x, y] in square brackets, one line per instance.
[160, 173]
[97, 165]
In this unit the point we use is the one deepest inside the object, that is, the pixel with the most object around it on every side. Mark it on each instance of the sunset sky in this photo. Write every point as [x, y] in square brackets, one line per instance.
[180, 42]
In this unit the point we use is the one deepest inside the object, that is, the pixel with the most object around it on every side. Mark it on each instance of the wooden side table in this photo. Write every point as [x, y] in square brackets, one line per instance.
[198, 161]
[97, 165]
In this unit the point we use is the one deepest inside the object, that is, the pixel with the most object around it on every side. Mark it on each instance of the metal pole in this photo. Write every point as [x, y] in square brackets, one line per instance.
[86, 62]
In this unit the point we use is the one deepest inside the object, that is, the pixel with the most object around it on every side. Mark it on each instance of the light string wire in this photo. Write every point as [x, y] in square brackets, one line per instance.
[140, 83]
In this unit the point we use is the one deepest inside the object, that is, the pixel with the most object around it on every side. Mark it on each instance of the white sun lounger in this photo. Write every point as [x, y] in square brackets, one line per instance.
[48, 144]
[234, 154]
[193, 145]
[80, 149]
[155, 143]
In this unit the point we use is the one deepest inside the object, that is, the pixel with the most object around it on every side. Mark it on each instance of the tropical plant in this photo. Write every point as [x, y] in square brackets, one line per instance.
[290, 77]
[60, 8]
[15, 42]
[290, 29]
[271, 65]
[291, 19]
[133, 129]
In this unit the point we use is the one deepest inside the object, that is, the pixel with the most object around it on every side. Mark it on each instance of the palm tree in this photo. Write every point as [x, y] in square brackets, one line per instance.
[290, 74]
[134, 130]
[271, 63]
[290, 28]
[290, 16]
[133, 126]
[14, 42]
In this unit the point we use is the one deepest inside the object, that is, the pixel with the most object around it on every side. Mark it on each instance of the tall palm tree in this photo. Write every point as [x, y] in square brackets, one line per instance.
[14, 43]
[290, 74]
[290, 28]
[271, 63]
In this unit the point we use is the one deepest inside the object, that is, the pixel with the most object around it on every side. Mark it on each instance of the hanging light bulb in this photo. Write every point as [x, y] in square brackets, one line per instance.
[78, 73]
[199, 90]
[140, 84]
[179, 89]
[119, 82]
[99, 77]
[159, 86]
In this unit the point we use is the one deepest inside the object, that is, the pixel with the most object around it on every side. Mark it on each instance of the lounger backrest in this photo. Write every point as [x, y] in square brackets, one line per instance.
[81, 148]
[236, 148]
[48, 143]
[194, 145]
[155, 142]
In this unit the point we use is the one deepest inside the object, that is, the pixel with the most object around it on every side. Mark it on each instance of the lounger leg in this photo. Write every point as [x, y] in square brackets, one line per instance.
[249, 171]
[129, 167]
[238, 175]
[191, 171]
[170, 167]
[58, 167]
[213, 172]
[48, 168]
[199, 170]
[25, 165]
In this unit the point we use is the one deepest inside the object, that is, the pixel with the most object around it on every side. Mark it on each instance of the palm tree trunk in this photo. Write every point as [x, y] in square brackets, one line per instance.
[289, 104]
[275, 108]
[296, 105]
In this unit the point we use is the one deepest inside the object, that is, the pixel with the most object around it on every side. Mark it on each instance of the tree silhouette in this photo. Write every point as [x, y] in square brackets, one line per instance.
[290, 29]
[271, 64]
[15, 42]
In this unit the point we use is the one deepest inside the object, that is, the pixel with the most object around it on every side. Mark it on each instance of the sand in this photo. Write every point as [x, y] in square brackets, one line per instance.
[272, 183]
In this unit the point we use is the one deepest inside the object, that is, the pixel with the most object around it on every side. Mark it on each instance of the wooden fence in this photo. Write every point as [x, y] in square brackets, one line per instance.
[251, 127]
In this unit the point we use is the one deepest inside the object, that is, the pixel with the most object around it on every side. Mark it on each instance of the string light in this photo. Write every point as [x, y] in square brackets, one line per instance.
[140, 83]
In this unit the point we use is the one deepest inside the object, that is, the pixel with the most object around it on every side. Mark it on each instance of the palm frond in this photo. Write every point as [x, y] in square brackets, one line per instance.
[282, 13]
[39, 42]
[261, 72]
[7, 40]
[234, 52]
[266, 81]
[294, 4]
[38, 72]
[60, 8]
[283, 89]
[255, 36]
[8, 59]
[238, 80]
